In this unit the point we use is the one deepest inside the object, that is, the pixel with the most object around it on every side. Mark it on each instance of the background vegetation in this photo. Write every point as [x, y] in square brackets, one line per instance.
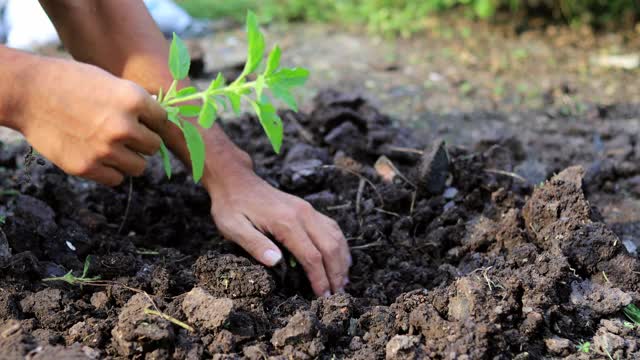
[407, 16]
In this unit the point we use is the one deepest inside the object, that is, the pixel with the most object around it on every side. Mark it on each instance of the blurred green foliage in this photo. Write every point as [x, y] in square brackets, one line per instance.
[405, 17]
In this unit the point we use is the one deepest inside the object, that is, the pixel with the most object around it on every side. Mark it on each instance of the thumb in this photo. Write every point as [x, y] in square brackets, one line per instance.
[153, 115]
[242, 232]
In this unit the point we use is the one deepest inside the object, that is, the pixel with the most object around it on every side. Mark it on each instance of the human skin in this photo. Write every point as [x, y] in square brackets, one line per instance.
[94, 117]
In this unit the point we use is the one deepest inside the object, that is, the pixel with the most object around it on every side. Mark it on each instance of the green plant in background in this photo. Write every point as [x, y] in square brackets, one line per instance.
[405, 17]
[179, 103]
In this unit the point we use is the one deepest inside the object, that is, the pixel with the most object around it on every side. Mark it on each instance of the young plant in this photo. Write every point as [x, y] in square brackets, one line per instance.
[633, 313]
[179, 103]
[74, 280]
[584, 347]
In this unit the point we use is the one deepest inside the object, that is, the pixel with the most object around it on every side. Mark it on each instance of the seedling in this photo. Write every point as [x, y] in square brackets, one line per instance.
[74, 280]
[179, 103]
[633, 313]
[584, 347]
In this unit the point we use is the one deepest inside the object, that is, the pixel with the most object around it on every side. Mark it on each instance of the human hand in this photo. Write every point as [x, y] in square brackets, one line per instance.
[245, 207]
[87, 121]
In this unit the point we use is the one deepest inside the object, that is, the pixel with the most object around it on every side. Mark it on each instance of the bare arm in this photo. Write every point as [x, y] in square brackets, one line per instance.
[136, 50]
[121, 37]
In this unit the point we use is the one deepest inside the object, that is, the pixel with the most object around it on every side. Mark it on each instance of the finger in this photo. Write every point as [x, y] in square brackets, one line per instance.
[328, 238]
[143, 140]
[126, 161]
[105, 175]
[153, 115]
[242, 232]
[295, 238]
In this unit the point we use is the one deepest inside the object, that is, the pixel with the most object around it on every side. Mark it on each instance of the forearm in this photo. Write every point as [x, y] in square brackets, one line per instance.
[136, 50]
[16, 68]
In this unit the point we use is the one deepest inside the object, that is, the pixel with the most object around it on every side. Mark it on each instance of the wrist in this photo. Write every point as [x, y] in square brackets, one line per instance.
[228, 167]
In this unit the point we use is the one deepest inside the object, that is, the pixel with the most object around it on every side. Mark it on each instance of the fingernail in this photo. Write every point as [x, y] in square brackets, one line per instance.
[272, 257]
[326, 294]
[350, 260]
[345, 282]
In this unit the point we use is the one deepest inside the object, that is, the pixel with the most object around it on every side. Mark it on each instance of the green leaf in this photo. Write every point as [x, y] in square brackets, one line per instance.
[271, 123]
[166, 159]
[235, 101]
[217, 83]
[87, 262]
[189, 110]
[274, 61]
[208, 114]
[285, 95]
[633, 313]
[196, 147]
[189, 90]
[179, 59]
[259, 86]
[160, 95]
[172, 115]
[484, 8]
[288, 77]
[255, 51]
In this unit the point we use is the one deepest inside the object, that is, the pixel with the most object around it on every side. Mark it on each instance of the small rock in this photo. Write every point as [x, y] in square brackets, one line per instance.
[558, 346]
[450, 193]
[137, 333]
[434, 169]
[404, 347]
[603, 300]
[256, 352]
[303, 326]
[99, 300]
[206, 311]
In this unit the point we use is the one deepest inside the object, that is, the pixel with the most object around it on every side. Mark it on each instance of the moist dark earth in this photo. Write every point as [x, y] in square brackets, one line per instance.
[492, 250]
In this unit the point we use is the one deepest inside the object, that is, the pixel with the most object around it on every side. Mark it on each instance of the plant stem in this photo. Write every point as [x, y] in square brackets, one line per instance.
[203, 94]
[168, 318]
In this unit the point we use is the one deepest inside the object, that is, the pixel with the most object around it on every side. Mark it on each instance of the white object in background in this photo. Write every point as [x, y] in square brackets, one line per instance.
[28, 26]
[169, 16]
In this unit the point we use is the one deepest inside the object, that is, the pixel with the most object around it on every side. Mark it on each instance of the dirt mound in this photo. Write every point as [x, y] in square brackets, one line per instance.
[457, 253]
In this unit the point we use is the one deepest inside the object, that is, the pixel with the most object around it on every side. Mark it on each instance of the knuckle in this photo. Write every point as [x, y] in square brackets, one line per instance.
[133, 95]
[304, 208]
[334, 249]
[121, 130]
[104, 152]
[83, 168]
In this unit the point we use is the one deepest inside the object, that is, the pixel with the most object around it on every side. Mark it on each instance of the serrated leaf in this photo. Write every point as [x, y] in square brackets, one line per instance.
[271, 123]
[217, 83]
[288, 77]
[255, 50]
[235, 101]
[179, 59]
[196, 147]
[208, 114]
[189, 90]
[273, 62]
[189, 110]
[285, 95]
[166, 159]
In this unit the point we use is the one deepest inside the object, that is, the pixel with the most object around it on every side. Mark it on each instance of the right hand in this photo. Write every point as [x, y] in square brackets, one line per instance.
[87, 121]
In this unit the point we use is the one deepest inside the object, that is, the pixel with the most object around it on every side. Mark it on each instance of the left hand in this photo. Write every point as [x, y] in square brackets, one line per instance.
[245, 207]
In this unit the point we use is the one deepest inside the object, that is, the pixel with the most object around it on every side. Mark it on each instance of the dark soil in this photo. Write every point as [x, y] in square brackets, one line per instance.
[464, 255]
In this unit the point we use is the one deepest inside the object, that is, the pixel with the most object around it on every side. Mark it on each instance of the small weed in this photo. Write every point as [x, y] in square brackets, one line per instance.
[74, 280]
[584, 347]
[633, 313]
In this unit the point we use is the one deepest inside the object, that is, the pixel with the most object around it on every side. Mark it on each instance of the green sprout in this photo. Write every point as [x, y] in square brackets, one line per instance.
[179, 102]
[633, 313]
[584, 347]
[74, 280]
